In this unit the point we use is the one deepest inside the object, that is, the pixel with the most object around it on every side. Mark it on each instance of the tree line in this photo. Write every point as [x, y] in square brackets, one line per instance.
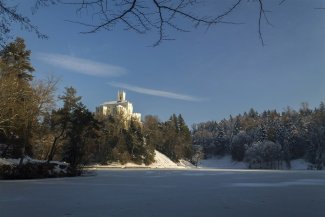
[32, 125]
[267, 139]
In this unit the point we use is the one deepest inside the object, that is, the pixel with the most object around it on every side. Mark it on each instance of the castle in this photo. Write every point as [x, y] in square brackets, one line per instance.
[121, 106]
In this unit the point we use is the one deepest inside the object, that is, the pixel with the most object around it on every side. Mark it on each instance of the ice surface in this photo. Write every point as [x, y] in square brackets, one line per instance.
[172, 193]
[298, 182]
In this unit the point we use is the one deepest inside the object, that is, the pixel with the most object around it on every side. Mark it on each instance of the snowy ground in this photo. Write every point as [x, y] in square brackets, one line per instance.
[161, 193]
[10, 161]
[226, 162]
[161, 161]
[59, 167]
[299, 164]
[222, 163]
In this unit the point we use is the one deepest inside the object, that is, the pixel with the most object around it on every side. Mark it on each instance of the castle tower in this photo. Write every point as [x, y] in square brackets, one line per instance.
[120, 96]
[121, 105]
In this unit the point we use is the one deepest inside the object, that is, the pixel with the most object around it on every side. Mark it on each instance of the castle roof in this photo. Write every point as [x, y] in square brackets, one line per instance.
[114, 102]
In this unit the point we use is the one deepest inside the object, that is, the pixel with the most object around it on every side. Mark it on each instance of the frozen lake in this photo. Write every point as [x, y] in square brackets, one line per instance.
[167, 193]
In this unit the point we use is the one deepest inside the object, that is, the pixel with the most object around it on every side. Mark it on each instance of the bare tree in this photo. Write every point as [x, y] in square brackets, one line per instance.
[8, 95]
[9, 16]
[146, 16]
[158, 16]
[44, 98]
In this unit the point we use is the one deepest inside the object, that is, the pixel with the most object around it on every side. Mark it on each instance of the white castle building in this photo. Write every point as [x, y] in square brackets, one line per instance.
[121, 106]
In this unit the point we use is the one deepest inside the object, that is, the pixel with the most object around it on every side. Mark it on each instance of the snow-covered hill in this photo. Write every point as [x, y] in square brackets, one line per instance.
[162, 161]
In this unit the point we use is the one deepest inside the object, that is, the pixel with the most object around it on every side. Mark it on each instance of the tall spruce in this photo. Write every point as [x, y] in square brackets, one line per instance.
[17, 94]
[73, 126]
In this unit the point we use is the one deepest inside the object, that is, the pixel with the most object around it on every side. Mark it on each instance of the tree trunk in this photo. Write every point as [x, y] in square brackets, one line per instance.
[53, 147]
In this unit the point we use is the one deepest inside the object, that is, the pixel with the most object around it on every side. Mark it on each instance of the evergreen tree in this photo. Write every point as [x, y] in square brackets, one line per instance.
[177, 141]
[16, 96]
[241, 142]
[61, 119]
[78, 135]
[260, 133]
[153, 132]
[186, 139]
[135, 141]
[73, 127]
[17, 59]
[124, 141]
[316, 138]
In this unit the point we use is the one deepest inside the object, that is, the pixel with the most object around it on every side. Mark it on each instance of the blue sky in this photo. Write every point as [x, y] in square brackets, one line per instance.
[204, 75]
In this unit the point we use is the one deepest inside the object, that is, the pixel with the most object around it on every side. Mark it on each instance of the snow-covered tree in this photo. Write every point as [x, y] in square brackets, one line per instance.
[239, 145]
[266, 155]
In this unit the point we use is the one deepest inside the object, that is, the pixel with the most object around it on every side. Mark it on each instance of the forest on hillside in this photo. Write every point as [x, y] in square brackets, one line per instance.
[32, 125]
[267, 139]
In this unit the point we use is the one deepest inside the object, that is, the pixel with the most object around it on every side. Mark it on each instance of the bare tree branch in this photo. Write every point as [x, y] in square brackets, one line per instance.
[140, 16]
[9, 15]
[262, 13]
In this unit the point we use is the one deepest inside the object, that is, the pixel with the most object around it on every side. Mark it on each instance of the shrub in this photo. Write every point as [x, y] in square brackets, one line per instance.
[35, 170]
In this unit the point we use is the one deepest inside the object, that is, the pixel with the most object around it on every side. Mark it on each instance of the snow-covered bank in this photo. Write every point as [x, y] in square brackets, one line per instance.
[226, 162]
[31, 168]
[161, 161]
[300, 164]
[12, 161]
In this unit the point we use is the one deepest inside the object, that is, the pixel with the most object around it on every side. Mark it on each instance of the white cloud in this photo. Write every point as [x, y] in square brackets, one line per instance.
[79, 65]
[153, 92]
